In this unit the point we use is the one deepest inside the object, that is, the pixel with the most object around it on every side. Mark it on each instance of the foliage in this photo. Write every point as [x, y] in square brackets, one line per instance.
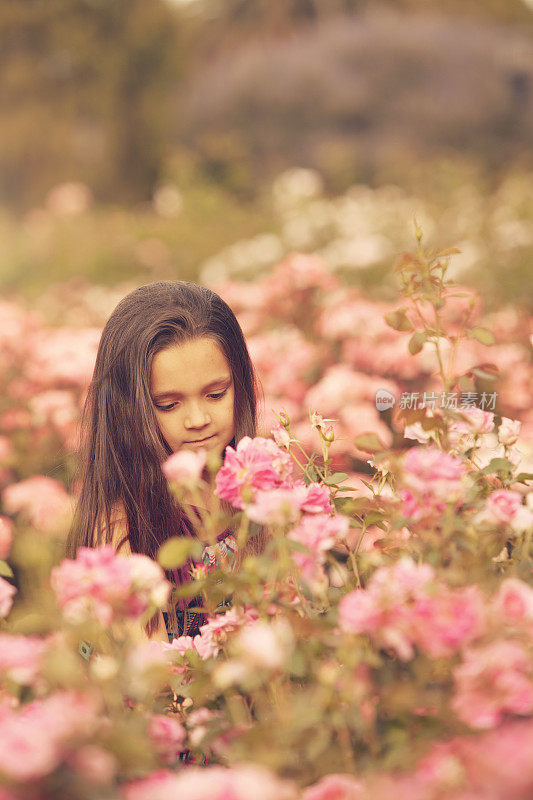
[380, 643]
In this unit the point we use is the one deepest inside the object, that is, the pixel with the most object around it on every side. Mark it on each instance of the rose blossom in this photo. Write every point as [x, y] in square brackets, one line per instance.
[383, 610]
[430, 470]
[509, 431]
[21, 657]
[256, 464]
[216, 783]
[7, 591]
[167, 736]
[319, 532]
[101, 582]
[94, 764]
[445, 621]
[265, 645]
[504, 507]
[6, 536]
[185, 467]
[491, 681]
[514, 602]
[43, 501]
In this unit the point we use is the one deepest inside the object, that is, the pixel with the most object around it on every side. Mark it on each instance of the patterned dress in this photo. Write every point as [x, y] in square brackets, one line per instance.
[189, 622]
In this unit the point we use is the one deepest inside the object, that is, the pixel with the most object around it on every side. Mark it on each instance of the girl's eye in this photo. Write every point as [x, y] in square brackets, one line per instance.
[166, 408]
[217, 395]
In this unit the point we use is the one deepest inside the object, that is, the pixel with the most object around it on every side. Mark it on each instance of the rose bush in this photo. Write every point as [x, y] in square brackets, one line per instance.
[382, 641]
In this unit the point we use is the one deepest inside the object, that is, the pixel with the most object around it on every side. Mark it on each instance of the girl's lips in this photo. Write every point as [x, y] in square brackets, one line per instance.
[201, 441]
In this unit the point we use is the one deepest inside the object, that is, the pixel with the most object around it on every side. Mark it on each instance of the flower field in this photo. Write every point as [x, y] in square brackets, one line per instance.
[381, 643]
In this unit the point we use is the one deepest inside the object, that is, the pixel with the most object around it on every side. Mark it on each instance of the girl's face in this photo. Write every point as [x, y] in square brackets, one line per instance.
[192, 391]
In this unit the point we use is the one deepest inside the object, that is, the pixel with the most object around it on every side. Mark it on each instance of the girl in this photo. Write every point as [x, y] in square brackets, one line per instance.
[172, 371]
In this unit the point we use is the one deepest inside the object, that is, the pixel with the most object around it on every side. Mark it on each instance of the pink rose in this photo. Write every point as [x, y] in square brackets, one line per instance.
[509, 431]
[216, 783]
[7, 592]
[6, 536]
[185, 467]
[491, 681]
[43, 501]
[335, 787]
[514, 602]
[319, 532]
[428, 470]
[94, 764]
[99, 582]
[445, 621]
[502, 506]
[21, 657]
[255, 464]
[167, 736]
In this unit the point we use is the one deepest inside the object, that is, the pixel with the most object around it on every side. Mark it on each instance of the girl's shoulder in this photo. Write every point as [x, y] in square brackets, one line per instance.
[118, 529]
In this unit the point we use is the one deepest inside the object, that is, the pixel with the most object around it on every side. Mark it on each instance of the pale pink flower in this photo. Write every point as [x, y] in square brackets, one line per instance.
[185, 467]
[335, 787]
[215, 631]
[256, 464]
[280, 435]
[102, 583]
[430, 470]
[319, 532]
[21, 657]
[504, 507]
[167, 736]
[180, 645]
[275, 506]
[491, 681]
[37, 737]
[284, 504]
[6, 536]
[384, 610]
[6, 449]
[312, 572]
[216, 783]
[445, 621]
[417, 432]
[94, 764]
[63, 357]
[514, 602]
[7, 592]
[509, 431]
[43, 501]
[265, 645]
[316, 499]
[475, 421]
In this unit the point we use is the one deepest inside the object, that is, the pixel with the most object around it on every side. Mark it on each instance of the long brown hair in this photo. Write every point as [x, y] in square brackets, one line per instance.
[123, 448]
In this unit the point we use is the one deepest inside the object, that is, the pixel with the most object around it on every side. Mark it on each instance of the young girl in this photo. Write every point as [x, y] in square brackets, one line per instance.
[172, 372]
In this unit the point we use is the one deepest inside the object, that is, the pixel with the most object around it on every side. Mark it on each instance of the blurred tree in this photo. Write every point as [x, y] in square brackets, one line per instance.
[83, 91]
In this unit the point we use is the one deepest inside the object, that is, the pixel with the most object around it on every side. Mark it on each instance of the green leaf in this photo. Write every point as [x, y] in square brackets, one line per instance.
[5, 569]
[337, 477]
[369, 442]
[417, 341]
[398, 320]
[374, 516]
[175, 551]
[497, 465]
[312, 473]
[482, 335]
[522, 477]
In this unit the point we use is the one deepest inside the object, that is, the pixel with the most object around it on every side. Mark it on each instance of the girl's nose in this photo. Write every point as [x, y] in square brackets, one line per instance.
[197, 416]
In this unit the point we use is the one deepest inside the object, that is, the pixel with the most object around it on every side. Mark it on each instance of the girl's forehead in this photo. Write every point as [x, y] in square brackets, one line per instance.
[189, 366]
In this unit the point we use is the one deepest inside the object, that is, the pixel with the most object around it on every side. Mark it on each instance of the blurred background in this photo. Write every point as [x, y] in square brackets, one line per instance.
[206, 139]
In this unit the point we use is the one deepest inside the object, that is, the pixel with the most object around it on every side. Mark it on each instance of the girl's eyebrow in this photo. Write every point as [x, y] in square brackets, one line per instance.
[217, 383]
